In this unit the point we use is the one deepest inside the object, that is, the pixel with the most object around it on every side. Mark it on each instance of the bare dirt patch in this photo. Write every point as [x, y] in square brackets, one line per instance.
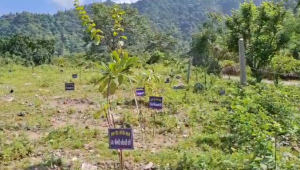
[79, 105]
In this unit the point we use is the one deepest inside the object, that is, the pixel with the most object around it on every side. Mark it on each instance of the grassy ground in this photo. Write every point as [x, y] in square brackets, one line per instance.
[42, 125]
[290, 82]
[38, 115]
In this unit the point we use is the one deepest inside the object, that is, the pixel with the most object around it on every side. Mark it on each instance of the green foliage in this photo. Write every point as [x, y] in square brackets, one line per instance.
[262, 30]
[63, 27]
[116, 72]
[19, 148]
[198, 87]
[202, 44]
[169, 16]
[31, 51]
[282, 64]
[70, 137]
[156, 57]
[150, 79]
[88, 22]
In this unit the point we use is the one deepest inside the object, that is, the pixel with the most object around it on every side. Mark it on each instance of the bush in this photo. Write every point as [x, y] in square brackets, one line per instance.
[156, 57]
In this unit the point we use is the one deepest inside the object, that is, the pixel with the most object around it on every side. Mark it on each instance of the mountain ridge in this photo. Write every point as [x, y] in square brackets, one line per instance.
[165, 15]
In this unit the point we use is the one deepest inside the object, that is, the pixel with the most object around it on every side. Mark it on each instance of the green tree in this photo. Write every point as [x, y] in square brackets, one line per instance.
[205, 48]
[135, 28]
[33, 51]
[117, 71]
[262, 30]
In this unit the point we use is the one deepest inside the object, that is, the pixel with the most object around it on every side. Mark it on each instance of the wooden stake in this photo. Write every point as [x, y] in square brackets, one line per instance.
[121, 160]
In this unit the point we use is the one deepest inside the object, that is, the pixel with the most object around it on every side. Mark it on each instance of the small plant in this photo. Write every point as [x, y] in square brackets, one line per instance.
[19, 148]
[70, 137]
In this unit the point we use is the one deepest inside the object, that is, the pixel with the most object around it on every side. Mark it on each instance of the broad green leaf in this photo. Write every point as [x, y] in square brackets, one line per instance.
[132, 79]
[98, 114]
[131, 61]
[120, 79]
[115, 34]
[101, 112]
[124, 37]
[112, 67]
[121, 29]
[112, 88]
[82, 12]
[104, 84]
[123, 62]
[116, 56]
[114, 16]
[121, 13]
[100, 80]
[104, 65]
[125, 55]
[97, 39]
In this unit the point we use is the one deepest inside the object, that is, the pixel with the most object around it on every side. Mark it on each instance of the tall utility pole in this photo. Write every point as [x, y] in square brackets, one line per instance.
[243, 77]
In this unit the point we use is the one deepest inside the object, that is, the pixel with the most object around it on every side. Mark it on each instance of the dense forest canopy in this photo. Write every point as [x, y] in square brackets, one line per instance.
[206, 30]
[182, 19]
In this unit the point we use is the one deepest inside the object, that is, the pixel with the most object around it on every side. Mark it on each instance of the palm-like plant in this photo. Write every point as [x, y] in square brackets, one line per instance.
[114, 75]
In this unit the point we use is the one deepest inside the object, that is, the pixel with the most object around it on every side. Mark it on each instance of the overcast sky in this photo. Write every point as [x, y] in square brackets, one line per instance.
[43, 6]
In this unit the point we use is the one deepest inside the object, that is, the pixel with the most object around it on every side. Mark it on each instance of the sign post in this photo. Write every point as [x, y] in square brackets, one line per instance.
[120, 139]
[74, 76]
[141, 92]
[155, 103]
[69, 86]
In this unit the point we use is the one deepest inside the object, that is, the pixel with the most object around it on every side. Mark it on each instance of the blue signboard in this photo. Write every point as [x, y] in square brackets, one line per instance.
[155, 102]
[140, 91]
[120, 139]
[69, 86]
[74, 76]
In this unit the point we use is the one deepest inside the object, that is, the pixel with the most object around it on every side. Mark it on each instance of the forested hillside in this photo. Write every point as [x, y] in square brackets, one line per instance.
[170, 16]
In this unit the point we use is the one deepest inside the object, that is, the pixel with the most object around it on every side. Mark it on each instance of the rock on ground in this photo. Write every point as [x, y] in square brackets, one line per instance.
[86, 166]
[149, 166]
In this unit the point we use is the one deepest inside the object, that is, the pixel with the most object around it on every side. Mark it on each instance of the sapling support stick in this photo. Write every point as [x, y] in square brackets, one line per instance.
[80, 74]
[275, 152]
[142, 123]
[153, 112]
[205, 74]
[136, 104]
[121, 160]
[109, 107]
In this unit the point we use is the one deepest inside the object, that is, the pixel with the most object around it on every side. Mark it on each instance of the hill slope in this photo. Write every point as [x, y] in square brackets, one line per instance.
[166, 15]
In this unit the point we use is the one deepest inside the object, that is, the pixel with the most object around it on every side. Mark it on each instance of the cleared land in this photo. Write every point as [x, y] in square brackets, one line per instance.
[43, 126]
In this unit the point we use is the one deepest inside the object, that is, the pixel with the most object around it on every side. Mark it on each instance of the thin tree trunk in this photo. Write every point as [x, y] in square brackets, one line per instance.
[136, 103]
[108, 102]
